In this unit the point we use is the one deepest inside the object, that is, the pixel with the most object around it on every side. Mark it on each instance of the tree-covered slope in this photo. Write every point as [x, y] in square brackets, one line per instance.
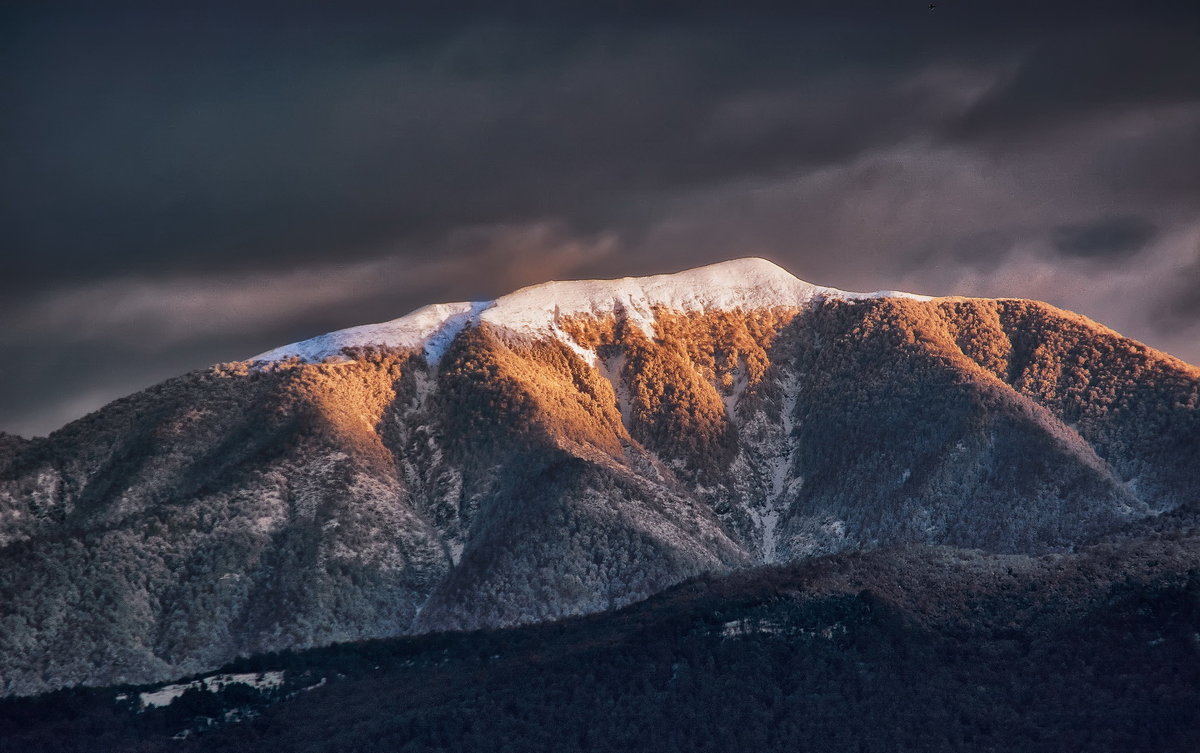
[496, 473]
[923, 649]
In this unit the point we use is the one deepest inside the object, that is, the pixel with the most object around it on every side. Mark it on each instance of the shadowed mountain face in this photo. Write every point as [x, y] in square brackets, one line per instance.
[516, 475]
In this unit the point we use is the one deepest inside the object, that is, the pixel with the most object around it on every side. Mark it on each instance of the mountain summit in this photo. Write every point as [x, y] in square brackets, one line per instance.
[569, 448]
[739, 285]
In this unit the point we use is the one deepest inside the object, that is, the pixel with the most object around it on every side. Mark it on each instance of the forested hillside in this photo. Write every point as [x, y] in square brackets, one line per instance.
[929, 649]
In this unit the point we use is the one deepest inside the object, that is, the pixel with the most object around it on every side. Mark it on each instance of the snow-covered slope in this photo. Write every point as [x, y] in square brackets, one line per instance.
[740, 284]
[431, 326]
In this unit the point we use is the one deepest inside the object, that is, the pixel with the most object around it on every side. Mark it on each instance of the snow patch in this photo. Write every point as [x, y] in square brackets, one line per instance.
[741, 382]
[738, 628]
[213, 684]
[887, 294]
[783, 488]
[589, 356]
[611, 369]
[439, 342]
[431, 327]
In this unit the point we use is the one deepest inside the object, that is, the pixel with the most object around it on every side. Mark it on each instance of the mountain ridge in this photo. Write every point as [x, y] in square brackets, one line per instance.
[739, 284]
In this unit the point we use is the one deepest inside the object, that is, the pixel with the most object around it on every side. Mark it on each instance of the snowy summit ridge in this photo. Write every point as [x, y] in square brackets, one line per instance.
[739, 284]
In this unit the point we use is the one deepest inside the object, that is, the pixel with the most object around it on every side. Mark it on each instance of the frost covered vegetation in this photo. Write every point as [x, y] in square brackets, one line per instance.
[922, 649]
[498, 474]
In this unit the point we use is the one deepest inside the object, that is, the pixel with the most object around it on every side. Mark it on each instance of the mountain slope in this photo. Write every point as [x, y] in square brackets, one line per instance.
[929, 649]
[570, 448]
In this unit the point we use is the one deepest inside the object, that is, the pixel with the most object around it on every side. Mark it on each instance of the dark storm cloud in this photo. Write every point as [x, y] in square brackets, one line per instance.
[1107, 239]
[1179, 307]
[180, 186]
[1062, 79]
[167, 141]
[1155, 164]
[986, 250]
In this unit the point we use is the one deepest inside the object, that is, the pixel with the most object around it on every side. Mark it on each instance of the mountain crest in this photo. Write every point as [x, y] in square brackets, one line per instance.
[736, 285]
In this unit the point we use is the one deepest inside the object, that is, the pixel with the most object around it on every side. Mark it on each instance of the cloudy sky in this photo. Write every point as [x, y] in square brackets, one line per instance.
[183, 187]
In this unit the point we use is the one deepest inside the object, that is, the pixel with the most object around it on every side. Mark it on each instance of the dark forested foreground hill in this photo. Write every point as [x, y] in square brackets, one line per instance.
[922, 649]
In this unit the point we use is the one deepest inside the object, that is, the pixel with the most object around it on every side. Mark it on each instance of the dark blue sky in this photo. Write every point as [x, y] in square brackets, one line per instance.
[181, 187]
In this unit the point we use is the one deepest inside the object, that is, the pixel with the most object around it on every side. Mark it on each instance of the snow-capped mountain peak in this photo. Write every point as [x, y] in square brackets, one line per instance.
[738, 284]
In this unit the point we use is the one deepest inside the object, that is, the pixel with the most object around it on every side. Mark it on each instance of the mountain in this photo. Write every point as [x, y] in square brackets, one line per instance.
[570, 448]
